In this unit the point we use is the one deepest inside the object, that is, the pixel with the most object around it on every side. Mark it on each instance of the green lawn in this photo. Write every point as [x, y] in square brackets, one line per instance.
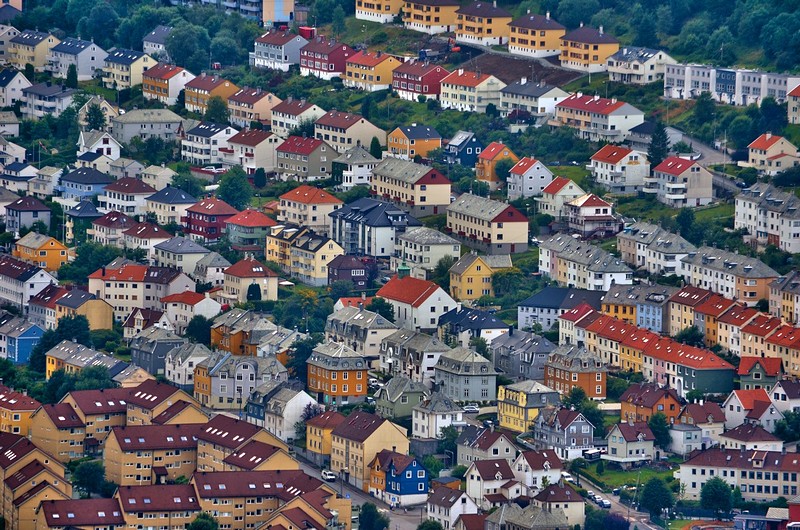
[614, 478]
[720, 211]
[643, 209]
[577, 174]
[679, 524]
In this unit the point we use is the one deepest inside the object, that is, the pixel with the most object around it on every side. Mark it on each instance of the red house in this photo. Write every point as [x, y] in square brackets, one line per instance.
[206, 220]
[418, 78]
[324, 58]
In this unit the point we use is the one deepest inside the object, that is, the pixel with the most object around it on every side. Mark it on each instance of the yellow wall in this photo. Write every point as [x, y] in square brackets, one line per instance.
[621, 311]
[15, 421]
[398, 144]
[472, 279]
[50, 256]
[587, 55]
[536, 40]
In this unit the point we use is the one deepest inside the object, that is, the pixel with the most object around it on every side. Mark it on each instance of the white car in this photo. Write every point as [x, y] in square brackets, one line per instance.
[328, 476]
[471, 409]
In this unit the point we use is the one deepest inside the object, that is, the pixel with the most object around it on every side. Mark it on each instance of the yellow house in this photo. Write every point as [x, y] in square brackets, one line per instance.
[381, 11]
[490, 226]
[587, 49]
[242, 275]
[430, 16]
[771, 153]
[124, 68]
[471, 275]
[407, 142]
[633, 347]
[30, 47]
[258, 456]
[681, 307]
[16, 410]
[486, 165]
[356, 441]
[370, 71]
[483, 23]
[41, 250]
[99, 313]
[318, 435]
[535, 36]
[519, 404]
[622, 308]
[310, 255]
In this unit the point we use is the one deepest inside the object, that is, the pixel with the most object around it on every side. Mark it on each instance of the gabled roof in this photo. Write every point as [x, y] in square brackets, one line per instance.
[536, 22]
[749, 398]
[249, 95]
[75, 299]
[251, 455]
[339, 120]
[421, 68]
[87, 175]
[28, 204]
[408, 290]
[369, 59]
[151, 393]
[283, 484]
[207, 129]
[30, 37]
[635, 431]
[495, 149]
[525, 163]
[419, 132]
[310, 195]
[115, 219]
[293, 107]
[187, 297]
[539, 460]
[163, 71]
[704, 412]
[251, 218]
[250, 268]
[588, 35]
[674, 165]
[212, 206]
[170, 195]
[16, 269]
[765, 141]
[206, 82]
[593, 104]
[181, 245]
[466, 78]
[327, 420]
[150, 437]
[250, 137]
[75, 513]
[34, 240]
[227, 432]
[299, 145]
[557, 184]
[359, 426]
[107, 401]
[558, 493]
[131, 185]
[48, 296]
[158, 498]
[494, 469]
[771, 365]
[589, 200]
[486, 209]
[611, 154]
[278, 38]
[750, 432]
[647, 394]
[123, 56]
[445, 497]
[159, 35]
[791, 388]
[71, 46]
[484, 9]
[6, 76]
[147, 231]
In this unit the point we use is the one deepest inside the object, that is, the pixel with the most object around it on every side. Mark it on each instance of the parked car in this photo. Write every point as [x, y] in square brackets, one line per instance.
[590, 494]
[328, 475]
[471, 409]
[605, 503]
[566, 477]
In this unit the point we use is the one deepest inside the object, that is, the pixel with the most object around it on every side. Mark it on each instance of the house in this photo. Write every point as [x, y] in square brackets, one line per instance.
[528, 177]
[559, 497]
[284, 410]
[408, 142]
[98, 313]
[750, 437]
[597, 119]
[546, 306]
[707, 416]
[360, 329]
[417, 304]
[417, 78]
[556, 194]
[18, 338]
[412, 353]
[590, 216]
[491, 482]
[470, 91]
[149, 348]
[179, 364]
[345, 130]
[433, 414]
[368, 227]
[416, 188]
[246, 273]
[277, 50]
[463, 149]
[169, 205]
[348, 269]
[205, 220]
[587, 49]
[524, 100]
[123, 68]
[643, 400]
[630, 442]
[97, 161]
[534, 35]
[302, 253]
[365, 435]
[333, 359]
[240, 332]
[574, 263]
[519, 404]
[155, 43]
[146, 123]
[471, 275]
[767, 214]
[751, 406]
[42, 250]
[634, 65]
[399, 396]
[464, 375]
[164, 82]
[125, 168]
[248, 230]
[619, 170]
[87, 58]
[16, 175]
[304, 159]
[9, 123]
[180, 308]
[685, 439]
[44, 99]
[487, 225]
[729, 274]
[482, 443]
[319, 431]
[483, 23]
[356, 165]
[211, 376]
[308, 206]
[646, 307]
[110, 111]
[126, 195]
[7, 32]
[487, 162]
[25, 212]
[204, 144]
[250, 105]
[83, 183]
[565, 431]
[251, 149]
[398, 479]
[199, 90]
[30, 47]
[786, 396]
[12, 83]
[370, 71]
[520, 355]
[324, 58]
[461, 326]
[536, 470]
[445, 506]
[45, 182]
[657, 250]
[159, 177]
[421, 249]
[771, 154]
[211, 269]
[755, 372]
[570, 366]
[680, 183]
[42, 307]
[109, 229]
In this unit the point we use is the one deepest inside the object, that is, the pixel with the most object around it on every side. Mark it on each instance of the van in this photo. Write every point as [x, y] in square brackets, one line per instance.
[328, 476]
[566, 477]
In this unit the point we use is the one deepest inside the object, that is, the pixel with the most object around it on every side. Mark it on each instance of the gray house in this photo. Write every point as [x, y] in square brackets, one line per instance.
[149, 348]
[144, 123]
[155, 43]
[547, 305]
[398, 397]
[25, 212]
[521, 355]
[412, 353]
[234, 377]
[86, 56]
[368, 227]
[482, 443]
[464, 375]
[565, 431]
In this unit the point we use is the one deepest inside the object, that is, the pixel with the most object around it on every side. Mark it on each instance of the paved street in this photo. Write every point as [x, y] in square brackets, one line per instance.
[635, 518]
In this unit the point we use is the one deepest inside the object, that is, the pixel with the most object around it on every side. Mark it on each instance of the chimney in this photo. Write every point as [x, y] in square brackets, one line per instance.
[768, 135]
[494, 3]
[103, 269]
[510, 331]
[581, 24]
[547, 15]
[529, 12]
[600, 29]
[523, 80]
[460, 71]
[361, 306]
[363, 295]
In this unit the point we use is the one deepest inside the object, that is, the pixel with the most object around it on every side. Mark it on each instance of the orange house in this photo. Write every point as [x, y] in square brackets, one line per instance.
[707, 314]
[41, 250]
[642, 400]
[202, 88]
[409, 141]
[337, 374]
[486, 166]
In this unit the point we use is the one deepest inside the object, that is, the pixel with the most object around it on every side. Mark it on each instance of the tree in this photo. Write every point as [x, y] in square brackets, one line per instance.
[30, 72]
[788, 429]
[366, 107]
[703, 109]
[339, 25]
[459, 471]
[73, 327]
[260, 178]
[382, 307]
[447, 439]
[576, 398]
[508, 281]
[95, 117]
[601, 467]
[203, 521]
[660, 426]
[691, 336]
[480, 346]
[235, 189]
[433, 465]
[430, 524]
[253, 292]
[100, 25]
[716, 495]
[658, 150]
[441, 272]
[341, 288]
[199, 330]
[216, 110]
[762, 305]
[503, 169]
[225, 49]
[656, 496]
[301, 351]
[89, 476]
[310, 411]
[375, 148]
[371, 519]
[91, 257]
[72, 77]
[188, 45]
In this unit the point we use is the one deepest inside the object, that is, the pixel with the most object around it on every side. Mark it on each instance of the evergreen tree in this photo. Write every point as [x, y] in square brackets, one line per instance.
[260, 178]
[216, 111]
[659, 145]
[72, 76]
[95, 118]
[660, 427]
[375, 148]
[339, 25]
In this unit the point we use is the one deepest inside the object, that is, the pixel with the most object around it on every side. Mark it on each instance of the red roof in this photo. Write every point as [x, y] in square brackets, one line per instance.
[691, 296]
[556, 185]
[771, 365]
[590, 199]
[114, 219]
[158, 498]
[674, 166]
[466, 78]
[786, 336]
[250, 137]
[524, 164]
[491, 469]
[48, 296]
[251, 218]
[107, 401]
[738, 315]
[251, 455]
[494, 149]
[212, 206]
[715, 305]
[62, 415]
[611, 154]
[419, 68]
[640, 339]
[749, 398]
[369, 59]
[353, 301]
[28, 204]
[278, 38]
[310, 195]
[765, 141]
[13, 400]
[594, 104]
[147, 231]
[408, 290]
[795, 92]
[327, 420]
[162, 71]
[685, 355]
[292, 107]
[75, 513]
[631, 431]
[186, 297]
[577, 312]
[299, 145]
[250, 268]
[250, 95]
[151, 393]
[128, 272]
[762, 325]
[339, 120]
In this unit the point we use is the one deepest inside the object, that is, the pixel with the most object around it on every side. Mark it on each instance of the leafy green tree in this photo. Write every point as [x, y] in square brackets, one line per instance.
[433, 465]
[75, 328]
[72, 77]
[371, 519]
[382, 307]
[660, 426]
[703, 109]
[375, 148]
[216, 110]
[260, 178]
[575, 398]
[199, 330]
[656, 496]
[459, 471]
[430, 524]
[304, 129]
[480, 346]
[100, 25]
[78, 9]
[188, 45]
[447, 439]
[503, 169]
[95, 117]
[186, 182]
[441, 272]
[235, 189]
[658, 150]
[301, 351]
[716, 495]
[225, 49]
[89, 476]
[203, 521]
[339, 26]
[691, 336]
[788, 429]
[341, 288]
[507, 281]
[721, 46]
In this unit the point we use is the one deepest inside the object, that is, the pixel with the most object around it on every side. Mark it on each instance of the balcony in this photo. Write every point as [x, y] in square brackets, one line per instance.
[676, 196]
[589, 167]
[653, 189]
[681, 186]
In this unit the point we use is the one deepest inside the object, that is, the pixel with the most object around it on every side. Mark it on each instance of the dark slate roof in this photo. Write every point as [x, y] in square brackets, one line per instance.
[89, 156]
[84, 210]
[48, 89]
[645, 128]
[123, 56]
[181, 245]
[371, 212]
[473, 319]
[7, 75]
[158, 35]
[72, 46]
[420, 132]
[86, 175]
[589, 35]
[75, 298]
[30, 37]
[207, 130]
[527, 88]
[15, 167]
[170, 195]
[563, 298]
[9, 13]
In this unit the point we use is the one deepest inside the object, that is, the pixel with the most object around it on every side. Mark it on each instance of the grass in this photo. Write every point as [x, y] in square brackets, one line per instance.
[679, 524]
[720, 211]
[643, 209]
[615, 478]
[577, 174]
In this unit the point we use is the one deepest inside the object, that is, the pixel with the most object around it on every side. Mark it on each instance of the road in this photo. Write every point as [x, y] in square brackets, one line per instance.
[635, 518]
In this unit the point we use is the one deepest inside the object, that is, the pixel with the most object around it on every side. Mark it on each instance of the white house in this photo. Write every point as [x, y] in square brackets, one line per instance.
[619, 169]
[527, 178]
[12, 83]
[181, 308]
[180, 362]
[786, 395]
[529, 99]
[637, 66]
[20, 281]
[445, 505]
[284, 410]
[750, 406]
[680, 183]
[357, 165]
[536, 469]
[251, 149]
[630, 442]
[127, 195]
[556, 194]
[144, 236]
[99, 142]
[492, 482]
[597, 119]
[750, 437]
[277, 50]
[203, 144]
[417, 304]
[434, 414]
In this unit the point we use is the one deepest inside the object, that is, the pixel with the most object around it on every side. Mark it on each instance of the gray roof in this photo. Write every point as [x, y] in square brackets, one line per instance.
[181, 354]
[522, 341]
[495, 262]
[170, 195]
[415, 344]
[575, 359]
[72, 46]
[374, 213]
[471, 319]
[563, 298]
[530, 387]
[264, 365]
[457, 359]
[30, 37]
[656, 238]
[75, 298]
[87, 175]
[420, 132]
[356, 317]
[404, 170]
[594, 258]
[182, 245]
[7, 117]
[399, 385]
[461, 139]
[158, 35]
[33, 240]
[356, 155]
[123, 56]
[147, 116]
[49, 90]
[640, 294]
[528, 88]
[84, 209]
[7, 195]
[536, 518]
[475, 206]
[730, 263]
[213, 259]
[634, 54]
[333, 355]
[207, 129]
[438, 403]
[768, 197]
[422, 235]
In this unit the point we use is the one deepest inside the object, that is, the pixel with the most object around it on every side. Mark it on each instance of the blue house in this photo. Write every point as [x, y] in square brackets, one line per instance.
[83, 183]
[398, 479]
[18, 337]
[463, 149]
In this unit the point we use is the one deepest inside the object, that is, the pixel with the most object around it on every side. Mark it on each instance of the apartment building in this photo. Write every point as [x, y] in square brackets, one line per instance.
[589, 215]
[487, 225]
[368, 227]
[468, 91]
[164, 82]
[471, 274]
[324, 58]
[250, 105]
[535, 35]
[308, 207]
[199, 90]
[733, 86]
[578, 264]
[483, 23]
[556, 194]
[422, 248]
[87, 58]
[414, 78]
[44, 99]
[304, 159]
[30, 47]
[770, 154]
[408, 142]
[519, 404]
[205, 221]
[770, 216]
[240, 278]
[430, 16]
[343, 131]
[207, 143]
[587, 49]
[277, 50]
[251, 149]
[650, 246]
[526, 99]
[20, 281]
[123, 69]
[618, 169]
[357, 165]
[633, 65]
[416, 188]
[596, 118]
[381, 11]
[370, 71]
[169, 205]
